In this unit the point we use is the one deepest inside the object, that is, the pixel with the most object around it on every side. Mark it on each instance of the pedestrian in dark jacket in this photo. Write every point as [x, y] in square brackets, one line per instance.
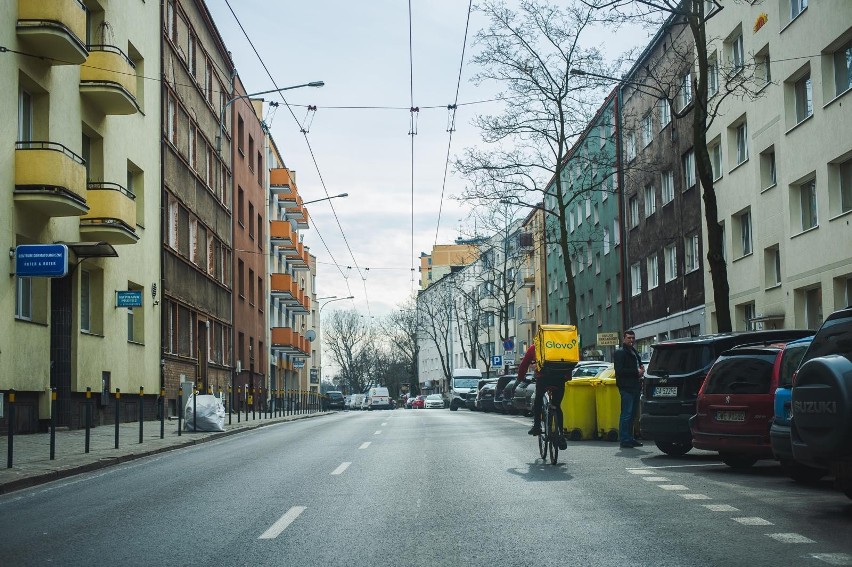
[628, 375]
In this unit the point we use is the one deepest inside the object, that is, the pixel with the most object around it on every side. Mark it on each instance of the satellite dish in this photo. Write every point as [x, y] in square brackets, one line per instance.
[311, 335]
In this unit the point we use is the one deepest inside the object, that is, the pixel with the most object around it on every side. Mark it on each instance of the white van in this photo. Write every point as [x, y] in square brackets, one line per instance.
[355, 401]
[376, 398]
[465, 382]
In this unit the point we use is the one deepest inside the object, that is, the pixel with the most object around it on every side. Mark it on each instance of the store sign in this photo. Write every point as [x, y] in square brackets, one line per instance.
[314, 375]
[607, 339]
[128, 298]
[299, 363]
[41, 260]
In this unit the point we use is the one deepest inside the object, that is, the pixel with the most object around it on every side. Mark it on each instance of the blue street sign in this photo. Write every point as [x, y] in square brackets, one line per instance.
[509, 344]
[128, 298]
[496, 360]
[41, 260]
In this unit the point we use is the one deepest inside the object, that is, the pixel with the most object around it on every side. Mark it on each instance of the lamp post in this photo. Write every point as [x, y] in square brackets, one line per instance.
[332, 300]
[324, 199]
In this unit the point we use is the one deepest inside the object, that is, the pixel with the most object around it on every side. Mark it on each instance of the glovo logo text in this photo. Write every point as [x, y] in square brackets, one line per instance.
[554, 344]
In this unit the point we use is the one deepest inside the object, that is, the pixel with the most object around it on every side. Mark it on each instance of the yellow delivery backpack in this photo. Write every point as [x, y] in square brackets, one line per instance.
[557, 349]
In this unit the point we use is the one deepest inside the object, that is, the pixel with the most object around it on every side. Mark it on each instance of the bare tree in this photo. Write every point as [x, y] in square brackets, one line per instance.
[531, 52]
[399, 330]
[434, 323]
[352, 345]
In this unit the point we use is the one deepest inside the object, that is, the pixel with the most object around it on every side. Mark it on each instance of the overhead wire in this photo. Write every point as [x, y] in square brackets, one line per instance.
[413, 130]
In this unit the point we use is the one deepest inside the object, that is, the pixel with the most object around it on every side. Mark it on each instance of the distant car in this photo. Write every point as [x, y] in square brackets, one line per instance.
[588, 369]
[434, 401]
[347, 402]
[418, 402]
[500, 390]
[485, 397]
[334, 400]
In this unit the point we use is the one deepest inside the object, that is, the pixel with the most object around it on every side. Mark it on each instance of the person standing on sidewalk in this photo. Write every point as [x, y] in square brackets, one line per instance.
[628, 374]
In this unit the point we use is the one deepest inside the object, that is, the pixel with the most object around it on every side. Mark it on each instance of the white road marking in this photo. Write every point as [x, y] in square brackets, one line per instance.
[720, 508]
[341, 468]
[791, 538]
[687, 466]
[753, 521]
[379, 432]
[673, 487]
[655, 478]
[692, 496]
[834, 558]
[364, 445]
[384, 424]
[275, 529]
[640, 471]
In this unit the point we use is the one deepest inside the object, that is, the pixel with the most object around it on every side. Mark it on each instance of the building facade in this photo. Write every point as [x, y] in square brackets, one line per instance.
[443, 258]
[80, 169]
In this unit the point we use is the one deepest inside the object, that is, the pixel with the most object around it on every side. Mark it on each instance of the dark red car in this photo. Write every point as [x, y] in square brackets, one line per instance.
[736, 405]
[418, 403]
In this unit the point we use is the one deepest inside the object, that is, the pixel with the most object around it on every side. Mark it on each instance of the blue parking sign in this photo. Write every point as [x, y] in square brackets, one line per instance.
[497, 360]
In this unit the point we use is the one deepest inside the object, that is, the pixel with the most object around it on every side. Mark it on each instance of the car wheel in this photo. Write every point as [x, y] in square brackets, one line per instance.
[454, 407]
[737, 461]
[803, 473]
[673, 448]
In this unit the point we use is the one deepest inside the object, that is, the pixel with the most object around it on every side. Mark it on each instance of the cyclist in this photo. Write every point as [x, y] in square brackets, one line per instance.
[543, 381]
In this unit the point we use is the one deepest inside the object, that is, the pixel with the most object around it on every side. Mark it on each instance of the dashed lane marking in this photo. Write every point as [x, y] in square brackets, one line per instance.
[721, 508]
[834, 558]
[341, 468]
[384, 424]
[692, 496]
[753, 521]
[682, 466]
[640, 471]
[275, 529]
[364, 445]
[673, 487]
[655, 478]
[379, 432]
[791, 538]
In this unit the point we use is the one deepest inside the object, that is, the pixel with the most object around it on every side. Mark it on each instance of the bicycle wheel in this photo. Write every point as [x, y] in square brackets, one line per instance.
[542, 437]
[553, 437]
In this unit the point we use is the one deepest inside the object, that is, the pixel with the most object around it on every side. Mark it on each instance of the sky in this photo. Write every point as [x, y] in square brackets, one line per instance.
[363, 243]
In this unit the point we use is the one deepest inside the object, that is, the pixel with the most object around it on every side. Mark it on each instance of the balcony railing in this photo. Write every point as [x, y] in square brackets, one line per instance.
[283, 288]
[53, 29]
[288, 341]
[108, 80]
[50, 179]
[281, 235]
[112, 214]
[282, 185]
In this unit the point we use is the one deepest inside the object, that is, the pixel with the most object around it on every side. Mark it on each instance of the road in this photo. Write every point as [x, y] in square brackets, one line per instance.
[423, 487]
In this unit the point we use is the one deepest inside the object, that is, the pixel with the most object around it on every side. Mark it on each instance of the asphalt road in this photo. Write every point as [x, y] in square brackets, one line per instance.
[423, 487]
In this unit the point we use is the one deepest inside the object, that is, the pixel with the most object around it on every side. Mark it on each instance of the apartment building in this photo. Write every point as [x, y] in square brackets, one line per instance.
[443, 258]
[662, 210]
[80, 174]
[531, 299]
[783, 161]
[197, 249]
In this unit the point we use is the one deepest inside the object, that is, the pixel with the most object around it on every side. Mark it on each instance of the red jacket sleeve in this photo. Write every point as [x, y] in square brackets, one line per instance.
[529, 358]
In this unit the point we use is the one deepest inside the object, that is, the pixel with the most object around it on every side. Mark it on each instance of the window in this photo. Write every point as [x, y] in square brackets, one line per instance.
[688, 161]
[803, 89]
[191, 57]
[170, 23]
[742, 142]
[85, 301]
[606, 241]
[25, 116]
[768, 175]
[843, 69]
[260, 297]
[806, 195]
[647, 129]
[667, 186]
[571, 220]
[747, 312]
[653, 272]
[596, 214]
[716, 160]
[24, 298]
[193, 241]
[762, 68]
[635, 279]
[608, 292]
[743, 222]
[650, 200]
[685, 95]
[208, 81]
[171, 119]
[240, 206]
[712, 75]
[259, 168]
[251, 220]
[240, 135]
[251, 286]
[737, 55]
[597, 262]
[691, 260]
[772, 262]
[241, 285]
[251, 152]
[588, 255]
[588, 207]
[193, 134]
[670, 257]
[797, 7]
[665, 112]
[631, 146]
[616, 233]
[260, 231]
[173, 223]
[841, 191]
[633, 207]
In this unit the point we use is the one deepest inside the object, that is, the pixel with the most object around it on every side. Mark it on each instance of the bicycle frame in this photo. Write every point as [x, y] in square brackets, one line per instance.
[551, 427]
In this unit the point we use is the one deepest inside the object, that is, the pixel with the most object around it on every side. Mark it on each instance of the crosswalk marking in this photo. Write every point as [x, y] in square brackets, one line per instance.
[640, 471]
[673, 487]
[379, 432]
[834, 558]
[791, 538]
[753, 521]
[364, 445]
[275, 529]
[655, 478]
[721, 508]
[341, 468]
[691, 496]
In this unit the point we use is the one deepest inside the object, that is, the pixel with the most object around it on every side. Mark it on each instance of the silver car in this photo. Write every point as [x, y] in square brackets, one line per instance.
[434, 401]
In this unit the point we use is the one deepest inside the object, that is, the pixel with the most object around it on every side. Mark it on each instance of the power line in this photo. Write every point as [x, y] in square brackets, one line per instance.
[413, 131]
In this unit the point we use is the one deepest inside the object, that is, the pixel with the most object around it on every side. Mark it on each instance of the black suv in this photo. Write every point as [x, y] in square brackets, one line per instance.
[821, 425]
[334, 400]
[674, 376]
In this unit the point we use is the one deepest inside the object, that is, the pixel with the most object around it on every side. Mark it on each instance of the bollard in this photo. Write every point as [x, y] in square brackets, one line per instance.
[162, 413]
[230, 404]
[246, 400]
[117, 410]
[195, 408]
[52, 423]
[141, 411]
[251, 401]
[10, 430]
[88, 417]
[180, 410]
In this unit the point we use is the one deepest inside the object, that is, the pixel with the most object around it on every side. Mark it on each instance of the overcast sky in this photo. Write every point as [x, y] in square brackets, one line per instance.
[361, 51]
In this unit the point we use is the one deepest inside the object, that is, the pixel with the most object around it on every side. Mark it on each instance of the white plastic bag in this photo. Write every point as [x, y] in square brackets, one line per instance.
[211, 414]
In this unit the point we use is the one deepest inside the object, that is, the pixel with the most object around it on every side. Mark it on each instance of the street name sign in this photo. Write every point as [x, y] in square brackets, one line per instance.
[41, 260]
[131, 298]
[607, 339]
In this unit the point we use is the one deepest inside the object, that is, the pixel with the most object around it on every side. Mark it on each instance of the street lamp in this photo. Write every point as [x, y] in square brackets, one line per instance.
[315, 84]
[332, 300]
[325, 199]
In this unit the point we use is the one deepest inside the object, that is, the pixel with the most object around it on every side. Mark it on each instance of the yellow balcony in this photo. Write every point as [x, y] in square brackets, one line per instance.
[282, 184]
[112, 215]
[50, 179]
[54, 30]
[108, 80]
[299, 214]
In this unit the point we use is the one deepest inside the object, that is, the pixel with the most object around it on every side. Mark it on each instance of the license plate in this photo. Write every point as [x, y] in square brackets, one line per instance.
[730, 416]
[665, 391]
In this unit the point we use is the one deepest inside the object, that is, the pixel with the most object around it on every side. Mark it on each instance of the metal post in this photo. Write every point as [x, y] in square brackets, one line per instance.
[141, 411]
[246, 399]
[10, 431]
[195, 408]
[52, 423]
[88, 417]
[230, 404]
[117, 410]
[180, 411]
[162, 413]
[251, 400]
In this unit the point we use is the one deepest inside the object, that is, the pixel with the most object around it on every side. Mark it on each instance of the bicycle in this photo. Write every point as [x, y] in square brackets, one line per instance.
[551, 427]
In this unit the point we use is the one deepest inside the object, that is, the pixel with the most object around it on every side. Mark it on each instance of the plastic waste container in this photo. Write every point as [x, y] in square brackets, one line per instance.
[578, 409]
[608, 407]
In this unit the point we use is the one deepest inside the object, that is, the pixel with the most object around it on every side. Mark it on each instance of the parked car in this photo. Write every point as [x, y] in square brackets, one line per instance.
[736, 405]
[376, 398]
[499, 391]
[355, 401]
[524, 394]
[434, 401]
[779, 431]
[419, 402]
[674, 377]
[509, 396]
[485, 397]
[589, 368]
[347, 401]
[334, 400]
[821, 425]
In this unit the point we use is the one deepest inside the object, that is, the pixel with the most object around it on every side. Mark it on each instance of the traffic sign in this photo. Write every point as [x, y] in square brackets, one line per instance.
[41, 260]
[496, 360]
[509, 344]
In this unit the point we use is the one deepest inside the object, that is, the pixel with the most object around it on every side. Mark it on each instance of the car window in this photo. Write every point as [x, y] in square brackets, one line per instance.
[789, 363]
[680, 359]
[748, 374]
[834, 337]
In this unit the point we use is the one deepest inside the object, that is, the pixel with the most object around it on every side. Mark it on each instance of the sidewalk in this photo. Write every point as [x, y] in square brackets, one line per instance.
[31, 452]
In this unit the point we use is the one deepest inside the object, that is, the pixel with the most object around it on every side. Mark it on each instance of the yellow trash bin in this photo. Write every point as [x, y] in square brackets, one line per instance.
[608, 406]
[578, 409]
